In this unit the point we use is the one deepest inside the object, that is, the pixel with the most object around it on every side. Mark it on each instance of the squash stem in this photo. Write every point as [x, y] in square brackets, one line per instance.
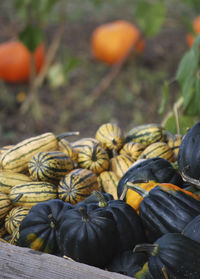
[67, 134]
[190, 180]
[52, 221]
[85, 216]
[142, 192]
[17, 198]
[100, 198]
[94, 153]
[151, 249]
[133, 183]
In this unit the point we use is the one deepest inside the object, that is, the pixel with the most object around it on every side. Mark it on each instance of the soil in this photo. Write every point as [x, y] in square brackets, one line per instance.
[132, 98]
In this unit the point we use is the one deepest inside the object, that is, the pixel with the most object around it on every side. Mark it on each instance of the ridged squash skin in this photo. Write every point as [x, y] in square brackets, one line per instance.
[192, 229]
[77, 185]
[174, 256]
[189, 153]
[39, 229]
[132, 149]
[158, 149]
[156, 169]
[108, 182]
[8, 179]
[119, 164]
[15, 217]
[145, 134]
[110, 136]
[66, 147]
[167, 210]
[128, 262]
[94, 158]
[49, 166]
[5, 205]
[81, 238]
[31, 193]
[17, 157]
[128, 223]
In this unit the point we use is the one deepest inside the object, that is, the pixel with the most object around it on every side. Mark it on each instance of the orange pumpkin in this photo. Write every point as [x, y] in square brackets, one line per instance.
[196, 27]
[134, 199]
[111, 42]
[15, 61]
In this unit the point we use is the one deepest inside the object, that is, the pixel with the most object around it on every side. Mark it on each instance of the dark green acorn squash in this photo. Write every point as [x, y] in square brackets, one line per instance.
[173, 256]
[166, 210]
[156, 169]
[88, 236]
[39, 229]
[192, 229]
[129, 224]
[189, 154]
[128, 262]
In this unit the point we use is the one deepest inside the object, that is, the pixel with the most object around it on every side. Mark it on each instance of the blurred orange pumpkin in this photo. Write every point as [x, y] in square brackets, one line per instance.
[196, 28]
[112, 41]
[15, 61]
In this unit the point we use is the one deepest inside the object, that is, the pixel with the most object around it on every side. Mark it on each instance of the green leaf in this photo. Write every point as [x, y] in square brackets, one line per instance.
[194, 4]
[187, 66]
[31, 36]
[185, 123]
[188, 90]
[150, 16]
[165, 97]
[193, 106]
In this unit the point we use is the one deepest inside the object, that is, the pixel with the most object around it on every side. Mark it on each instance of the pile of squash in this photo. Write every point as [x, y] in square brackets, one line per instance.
[124, 202]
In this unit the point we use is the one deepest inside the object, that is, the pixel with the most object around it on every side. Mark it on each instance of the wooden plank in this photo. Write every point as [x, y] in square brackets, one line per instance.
[23, 263]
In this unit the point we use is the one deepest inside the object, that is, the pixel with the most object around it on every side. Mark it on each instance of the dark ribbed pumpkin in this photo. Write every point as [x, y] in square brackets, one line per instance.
[128, 222]
[166, 210]
[156, 169]
[39, 229]
[189, 153]
[88, 236]
[128, 262]
[192, 229]
[172, 256]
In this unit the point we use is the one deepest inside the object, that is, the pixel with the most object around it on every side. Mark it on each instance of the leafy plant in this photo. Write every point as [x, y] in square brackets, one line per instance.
[150, 16]
[188, 79]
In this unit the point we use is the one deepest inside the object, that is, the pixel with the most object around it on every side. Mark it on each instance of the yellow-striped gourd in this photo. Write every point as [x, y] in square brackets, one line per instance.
[3, 231]
[110, 136]
[31, 193]
[14, 218]
[77, 185]
[66, 147]
[49, 166]
[174, 143]
[79, 144]
[132, 149]
[94, 158]
[108, 182]
[17, 157]
[8, 179]
[5, 205]
[158, 149]
[145, 134]
[120, 164]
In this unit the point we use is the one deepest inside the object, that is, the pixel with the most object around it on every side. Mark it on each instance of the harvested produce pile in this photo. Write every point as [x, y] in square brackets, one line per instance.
[128, 203]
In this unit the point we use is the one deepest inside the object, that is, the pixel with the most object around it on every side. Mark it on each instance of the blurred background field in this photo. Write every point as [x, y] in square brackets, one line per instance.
[66, 96]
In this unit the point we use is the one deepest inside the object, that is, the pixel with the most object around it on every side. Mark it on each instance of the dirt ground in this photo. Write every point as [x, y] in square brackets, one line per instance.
[132, 98]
